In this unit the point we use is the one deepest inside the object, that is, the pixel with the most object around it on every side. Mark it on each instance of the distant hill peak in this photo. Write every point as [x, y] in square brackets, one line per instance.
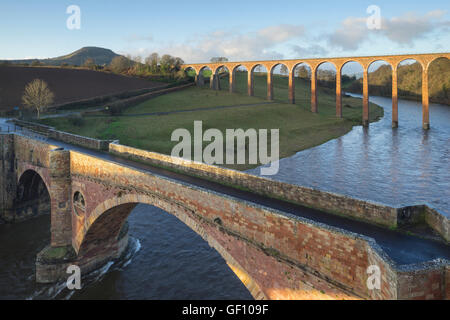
[99, 55]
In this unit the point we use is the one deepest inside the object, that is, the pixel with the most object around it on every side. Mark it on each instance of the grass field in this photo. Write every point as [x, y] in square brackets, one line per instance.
[299, 128]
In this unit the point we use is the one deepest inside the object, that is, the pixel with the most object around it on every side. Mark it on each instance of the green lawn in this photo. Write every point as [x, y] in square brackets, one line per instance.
[299, 128]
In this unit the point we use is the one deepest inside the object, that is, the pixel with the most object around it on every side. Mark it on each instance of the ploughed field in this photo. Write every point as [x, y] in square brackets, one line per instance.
[67, 84]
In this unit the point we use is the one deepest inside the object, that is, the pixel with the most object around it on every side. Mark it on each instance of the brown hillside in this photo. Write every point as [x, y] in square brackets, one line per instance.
[67, 84]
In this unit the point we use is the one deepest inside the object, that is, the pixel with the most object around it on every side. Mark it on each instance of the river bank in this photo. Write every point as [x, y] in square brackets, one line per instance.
[300, 129]
[401, 166]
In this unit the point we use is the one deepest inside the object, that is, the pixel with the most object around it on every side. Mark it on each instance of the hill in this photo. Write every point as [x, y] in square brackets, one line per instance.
[409, 82]
[67, 84]
[100, 56]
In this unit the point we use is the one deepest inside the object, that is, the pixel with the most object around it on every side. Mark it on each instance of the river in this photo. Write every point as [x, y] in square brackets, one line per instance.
[167, 260]
[402, 166]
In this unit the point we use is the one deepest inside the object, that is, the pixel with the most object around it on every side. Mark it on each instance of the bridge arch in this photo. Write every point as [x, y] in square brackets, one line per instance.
[342, 78]
[438, 79]
[410, 60]
[388, 90]
[434, 60]
[190, 71]
[236, 81]
[33, 195]
[282, 82]
[221, 74]
[301, 71]
[102, 230]
[371, 64]
[315, 82]
[259, 74]
[203, 72]
[414, 87]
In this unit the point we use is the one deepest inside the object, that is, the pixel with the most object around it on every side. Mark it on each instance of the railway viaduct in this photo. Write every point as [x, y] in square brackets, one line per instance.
[393, 60]
[280, 249]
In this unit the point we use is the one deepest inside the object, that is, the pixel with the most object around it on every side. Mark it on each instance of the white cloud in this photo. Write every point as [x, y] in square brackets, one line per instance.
[281, 33]
[235, 45]
[409, 27]
[314, 50]
[403, 30]
[292, 41]
[351, 33]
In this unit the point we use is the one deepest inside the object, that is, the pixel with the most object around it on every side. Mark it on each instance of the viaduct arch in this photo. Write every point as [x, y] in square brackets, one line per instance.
[393, 60]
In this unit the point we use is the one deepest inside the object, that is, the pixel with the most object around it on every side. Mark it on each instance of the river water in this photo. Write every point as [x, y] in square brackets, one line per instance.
[167, 260]
[402, 166]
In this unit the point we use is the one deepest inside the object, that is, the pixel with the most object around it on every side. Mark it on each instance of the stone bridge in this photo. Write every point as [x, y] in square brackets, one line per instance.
[279, 248]
[393, 60]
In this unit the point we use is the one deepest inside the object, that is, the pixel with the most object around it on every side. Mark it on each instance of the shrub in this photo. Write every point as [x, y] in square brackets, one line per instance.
[115, 109]
[37, 96]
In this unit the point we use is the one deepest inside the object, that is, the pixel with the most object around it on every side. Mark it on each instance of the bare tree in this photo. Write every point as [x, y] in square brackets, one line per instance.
[120, 64]
[152, 61]
[219, 59]
[37, 96]
[178, 63]
[167, 63]
[137, 59]
[303, 72]
[89, 63]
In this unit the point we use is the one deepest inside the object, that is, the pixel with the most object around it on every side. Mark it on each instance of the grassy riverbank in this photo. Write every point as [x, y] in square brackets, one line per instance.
[299, 128]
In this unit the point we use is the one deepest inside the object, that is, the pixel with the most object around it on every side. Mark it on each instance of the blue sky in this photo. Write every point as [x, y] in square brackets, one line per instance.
[240, 30]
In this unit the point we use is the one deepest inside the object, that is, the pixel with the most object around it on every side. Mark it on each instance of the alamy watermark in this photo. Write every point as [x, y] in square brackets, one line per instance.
[73, 22]
[374, 277]
[74, 280]
[374, 20]
[234, 143]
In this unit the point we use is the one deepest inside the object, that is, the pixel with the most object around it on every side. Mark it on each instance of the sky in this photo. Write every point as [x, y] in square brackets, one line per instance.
[197, 30]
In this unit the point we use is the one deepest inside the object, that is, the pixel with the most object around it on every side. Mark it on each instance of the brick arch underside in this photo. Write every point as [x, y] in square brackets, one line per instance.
[32, 195]
[106, 225]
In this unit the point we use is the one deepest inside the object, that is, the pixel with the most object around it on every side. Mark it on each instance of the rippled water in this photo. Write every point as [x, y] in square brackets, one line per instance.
[402, 166]
[173, 263]
[167, 260]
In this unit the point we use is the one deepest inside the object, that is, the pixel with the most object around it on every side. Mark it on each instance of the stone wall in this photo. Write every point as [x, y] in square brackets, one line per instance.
[121, 105]
[438, 222]
[363, 210]
[426, 282]
[66, 137]
[102, 100]
[330, 202]
[8, 183]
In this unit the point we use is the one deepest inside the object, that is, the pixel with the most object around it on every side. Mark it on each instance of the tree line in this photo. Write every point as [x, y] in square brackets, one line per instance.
[410, 82]
[149, 67]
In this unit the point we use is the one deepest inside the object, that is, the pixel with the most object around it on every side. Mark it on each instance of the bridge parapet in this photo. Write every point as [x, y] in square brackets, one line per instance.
[368, 211]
